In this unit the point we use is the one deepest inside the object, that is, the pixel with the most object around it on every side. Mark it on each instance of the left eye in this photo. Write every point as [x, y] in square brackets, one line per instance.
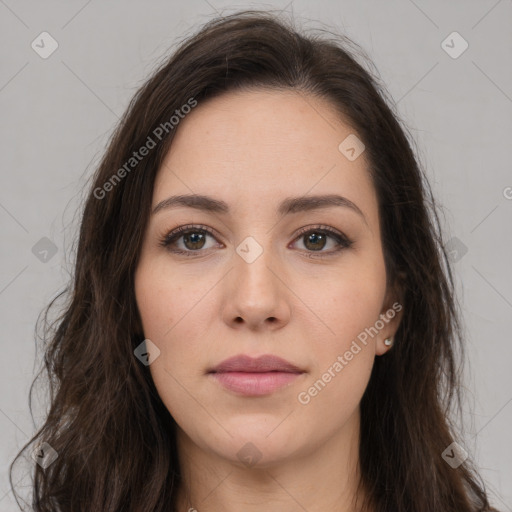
[315, 239]
[194, 239]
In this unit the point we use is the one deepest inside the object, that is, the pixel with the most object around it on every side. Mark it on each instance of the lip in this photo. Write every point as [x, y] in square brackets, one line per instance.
[264, 363]
[259, 376]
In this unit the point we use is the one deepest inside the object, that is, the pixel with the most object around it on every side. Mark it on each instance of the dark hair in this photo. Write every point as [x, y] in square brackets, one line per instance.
[114, 437]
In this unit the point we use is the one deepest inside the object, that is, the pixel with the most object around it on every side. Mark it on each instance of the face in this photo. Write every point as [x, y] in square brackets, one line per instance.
[264, 269]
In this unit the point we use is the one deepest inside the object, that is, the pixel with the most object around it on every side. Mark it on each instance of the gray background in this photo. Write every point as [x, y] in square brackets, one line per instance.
[58, 112]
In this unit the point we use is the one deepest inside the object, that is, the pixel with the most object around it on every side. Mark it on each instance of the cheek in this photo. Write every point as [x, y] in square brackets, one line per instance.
[165, 298]
[349, 307]
[174, 309]
[335, 392]
[168, 303]
[344, 359]
[343, 304]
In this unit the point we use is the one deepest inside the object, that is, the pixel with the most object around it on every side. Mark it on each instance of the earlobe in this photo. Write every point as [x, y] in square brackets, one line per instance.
[382, 347]
[392, 314]
[392, 317]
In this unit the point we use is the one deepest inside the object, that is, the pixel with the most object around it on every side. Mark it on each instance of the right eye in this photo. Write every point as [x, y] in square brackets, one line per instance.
[192, 237]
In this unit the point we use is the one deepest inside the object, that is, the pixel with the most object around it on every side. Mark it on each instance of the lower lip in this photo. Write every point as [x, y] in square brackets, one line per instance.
[254, 384]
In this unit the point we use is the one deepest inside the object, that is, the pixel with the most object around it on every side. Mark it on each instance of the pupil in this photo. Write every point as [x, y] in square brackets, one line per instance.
[195, 238]
[315, 238]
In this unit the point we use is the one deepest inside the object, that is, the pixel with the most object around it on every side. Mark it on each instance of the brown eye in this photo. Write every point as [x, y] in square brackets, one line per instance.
[315, 241]
[187, 240]
[191, 240]
[194, 240]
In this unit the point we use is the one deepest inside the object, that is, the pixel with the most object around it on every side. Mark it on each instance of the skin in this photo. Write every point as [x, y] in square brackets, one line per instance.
[252, 149]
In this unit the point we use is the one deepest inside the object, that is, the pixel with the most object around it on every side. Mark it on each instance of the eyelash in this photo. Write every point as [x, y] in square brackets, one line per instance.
[174, 235]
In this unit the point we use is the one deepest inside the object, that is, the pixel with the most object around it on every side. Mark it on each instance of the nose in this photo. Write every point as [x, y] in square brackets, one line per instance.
[256, 296]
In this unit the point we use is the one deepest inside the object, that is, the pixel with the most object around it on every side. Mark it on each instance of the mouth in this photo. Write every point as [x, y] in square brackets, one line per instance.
[260, 376]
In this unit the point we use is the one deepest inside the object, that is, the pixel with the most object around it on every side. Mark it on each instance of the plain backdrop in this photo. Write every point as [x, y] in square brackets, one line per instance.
[58, 112]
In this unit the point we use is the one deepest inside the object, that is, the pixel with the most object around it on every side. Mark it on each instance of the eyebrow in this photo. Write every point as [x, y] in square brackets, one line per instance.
[288, 206]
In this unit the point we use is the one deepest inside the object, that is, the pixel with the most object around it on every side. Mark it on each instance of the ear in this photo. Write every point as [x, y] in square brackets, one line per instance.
[391, 314]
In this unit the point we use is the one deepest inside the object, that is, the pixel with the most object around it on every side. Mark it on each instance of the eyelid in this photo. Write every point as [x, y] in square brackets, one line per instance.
[319, 227]
[342, 241]
[176, 233]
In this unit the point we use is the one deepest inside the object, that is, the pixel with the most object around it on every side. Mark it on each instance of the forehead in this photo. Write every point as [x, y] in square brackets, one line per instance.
[257, 146]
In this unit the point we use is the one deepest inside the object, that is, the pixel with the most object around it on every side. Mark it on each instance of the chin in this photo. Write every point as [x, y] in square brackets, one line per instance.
[258, 444]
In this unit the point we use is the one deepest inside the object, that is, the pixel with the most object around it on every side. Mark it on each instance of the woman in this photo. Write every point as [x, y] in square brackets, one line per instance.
[262, 315]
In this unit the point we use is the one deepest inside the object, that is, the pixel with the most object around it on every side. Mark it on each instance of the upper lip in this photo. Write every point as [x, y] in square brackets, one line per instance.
[264, 363]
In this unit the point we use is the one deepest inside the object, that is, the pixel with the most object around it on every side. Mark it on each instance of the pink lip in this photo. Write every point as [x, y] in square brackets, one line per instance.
[254, 377]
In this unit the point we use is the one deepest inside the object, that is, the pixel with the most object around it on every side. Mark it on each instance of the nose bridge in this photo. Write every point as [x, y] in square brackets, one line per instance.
[256, 292]
[253, 261]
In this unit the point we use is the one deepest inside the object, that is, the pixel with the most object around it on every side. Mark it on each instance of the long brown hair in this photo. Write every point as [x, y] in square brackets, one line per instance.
[114, 438]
